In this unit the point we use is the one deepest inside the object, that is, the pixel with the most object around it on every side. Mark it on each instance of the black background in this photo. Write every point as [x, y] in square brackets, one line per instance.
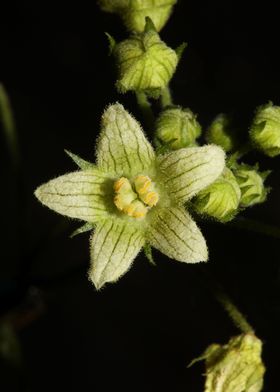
[140, 333]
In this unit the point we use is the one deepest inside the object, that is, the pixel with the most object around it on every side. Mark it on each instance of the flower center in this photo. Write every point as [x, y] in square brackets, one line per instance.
[135, 198]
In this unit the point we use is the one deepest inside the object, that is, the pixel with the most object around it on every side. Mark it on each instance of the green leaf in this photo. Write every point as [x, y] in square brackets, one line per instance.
[123, 148]
[187, 171]
[81, 195]
[174, 233]
[114, 246]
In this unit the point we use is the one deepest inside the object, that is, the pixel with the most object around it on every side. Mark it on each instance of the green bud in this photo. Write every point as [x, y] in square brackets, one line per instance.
[236, 366]
[178, 128]
[265, 129]
[221, 199]
[220, 132]
[144, 62]
[251, 183]
[134, 12]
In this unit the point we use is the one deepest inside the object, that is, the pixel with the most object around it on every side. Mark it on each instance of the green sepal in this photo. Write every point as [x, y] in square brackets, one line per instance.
[82, 229]
[148, 253]
[149, 25]
[112, 42]
[180, 50]
[80, 162]
[163, 148]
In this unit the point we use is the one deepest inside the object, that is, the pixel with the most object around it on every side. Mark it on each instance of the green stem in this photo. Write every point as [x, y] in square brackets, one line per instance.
[233, 312]
[6, 117]
[256, 226]
[146, 109]
[166, 97]
[230, 308]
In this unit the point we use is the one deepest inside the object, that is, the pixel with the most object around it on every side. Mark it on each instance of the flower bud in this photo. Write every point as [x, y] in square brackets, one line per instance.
[251, 183]
[265, 129]
[177, 128]
[236, 366]
[221, 199]
[134, 12]
[220, 132]
[144, 62]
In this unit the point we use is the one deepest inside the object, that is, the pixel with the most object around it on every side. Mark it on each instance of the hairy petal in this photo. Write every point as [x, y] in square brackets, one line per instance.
[80, 195]
[175, 234]
[114, 246]
[122, 148]
[187, 171]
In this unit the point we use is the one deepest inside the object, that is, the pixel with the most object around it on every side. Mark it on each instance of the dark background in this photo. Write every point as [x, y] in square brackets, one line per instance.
[140, 333]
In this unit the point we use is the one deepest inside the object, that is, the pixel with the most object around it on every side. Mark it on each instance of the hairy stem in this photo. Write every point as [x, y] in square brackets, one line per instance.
[233, 312]
[146, 109]
[166, 97]
[230, 308]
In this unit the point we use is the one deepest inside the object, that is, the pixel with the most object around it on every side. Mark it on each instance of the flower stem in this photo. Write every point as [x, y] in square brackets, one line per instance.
[146, 109]
[166, 97]
[233, 312]
[256, 226]
[230, 308]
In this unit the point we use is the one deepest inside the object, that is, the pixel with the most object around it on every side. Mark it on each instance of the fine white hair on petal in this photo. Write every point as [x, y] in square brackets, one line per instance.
[187, 171]
[122, 148]
[175, 234]
[114, 246]
[78, 195]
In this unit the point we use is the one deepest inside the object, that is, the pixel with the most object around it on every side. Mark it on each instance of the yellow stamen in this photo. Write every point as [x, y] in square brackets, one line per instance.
[151, 199]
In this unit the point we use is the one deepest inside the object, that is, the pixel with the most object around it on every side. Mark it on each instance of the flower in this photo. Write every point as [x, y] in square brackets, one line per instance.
[265, 129]
[234, 367]
[134, 12]
[220, 200]
[178, 128]
[133, 197]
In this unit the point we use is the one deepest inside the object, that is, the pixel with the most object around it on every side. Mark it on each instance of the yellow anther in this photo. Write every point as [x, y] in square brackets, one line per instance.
[151, 198]
[136, 209]
[142, 184]
[145, 189]
[122, 184]
[135, 201]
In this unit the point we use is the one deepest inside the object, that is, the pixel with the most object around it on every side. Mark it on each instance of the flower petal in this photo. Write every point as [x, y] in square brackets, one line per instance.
[114, 246]
[80, 194]
[175, 234]
[187, 171]
[123, 148]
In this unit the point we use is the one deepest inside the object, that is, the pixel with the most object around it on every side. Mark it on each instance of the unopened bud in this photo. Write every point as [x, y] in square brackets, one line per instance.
[251, 183]
[234, 367]
[145, 63]
[265, 129]
[133, 13]
[177, 128]
[222, 133]
[221, 199]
